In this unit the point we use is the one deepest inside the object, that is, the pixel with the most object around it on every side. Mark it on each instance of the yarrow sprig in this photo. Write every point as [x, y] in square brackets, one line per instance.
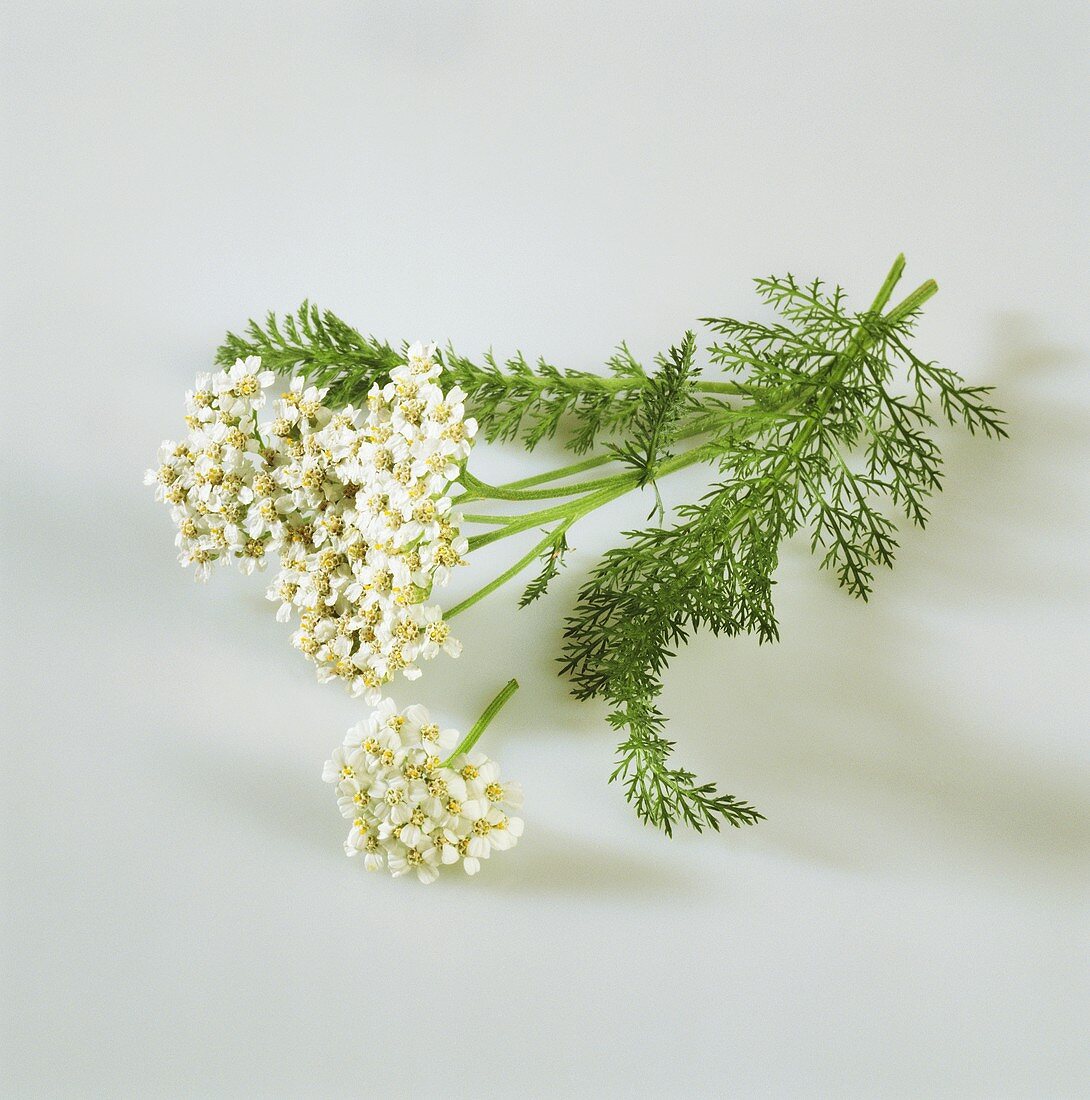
[818, 419]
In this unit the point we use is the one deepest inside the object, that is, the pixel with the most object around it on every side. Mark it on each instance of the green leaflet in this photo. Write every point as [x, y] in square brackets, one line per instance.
[318, 344]
[552, 558]
[510, 400]
[665, 403]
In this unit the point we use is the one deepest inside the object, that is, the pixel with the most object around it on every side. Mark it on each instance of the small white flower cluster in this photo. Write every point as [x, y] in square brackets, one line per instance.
[208, 478]
[412, 809]
[353, 504]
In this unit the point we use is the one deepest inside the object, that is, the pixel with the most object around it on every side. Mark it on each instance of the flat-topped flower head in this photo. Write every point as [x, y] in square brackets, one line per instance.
[352, 503]
[384, 535]
[413, 809]
[207, 479]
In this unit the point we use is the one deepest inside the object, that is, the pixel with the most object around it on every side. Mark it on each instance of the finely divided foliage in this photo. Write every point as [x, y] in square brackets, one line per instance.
[666, 403]
[844, 445]
[822, 426]
[530, 403]
[512, 400]
[552, 561]
[327, 351]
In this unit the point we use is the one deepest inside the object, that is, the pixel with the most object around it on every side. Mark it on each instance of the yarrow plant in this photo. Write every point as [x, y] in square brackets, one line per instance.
[419, 798]
[820, 423]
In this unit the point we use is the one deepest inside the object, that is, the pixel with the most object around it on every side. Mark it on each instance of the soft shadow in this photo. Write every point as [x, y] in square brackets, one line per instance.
[271, 795]
[550, 862]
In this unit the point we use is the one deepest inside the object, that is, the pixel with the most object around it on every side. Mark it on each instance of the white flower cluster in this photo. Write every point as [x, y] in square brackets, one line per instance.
[379, 530]
[412, 809]
[208, 478]
[354, 504]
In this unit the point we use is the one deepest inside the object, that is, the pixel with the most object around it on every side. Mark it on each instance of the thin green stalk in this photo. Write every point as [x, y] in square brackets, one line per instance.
[559, 473]
[618, 385]
[734, 389]
[480, 490]
[572, 509]
[515, 569]
[885, 291]
[913, 302]
[481, 724]
[500, 520]
[512, 490]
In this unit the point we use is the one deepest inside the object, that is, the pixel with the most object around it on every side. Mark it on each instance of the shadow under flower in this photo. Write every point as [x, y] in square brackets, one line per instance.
[547, 861]
[274, 795]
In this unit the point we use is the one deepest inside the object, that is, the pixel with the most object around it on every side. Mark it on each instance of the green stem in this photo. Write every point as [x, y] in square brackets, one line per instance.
[511, 490]
[559, 473]
[500, 520]
[481, 724]
[572, 509]
[885, 291]
[735, 389]
[479, 490]
[591, 383]
[515, 569]
[913, 302]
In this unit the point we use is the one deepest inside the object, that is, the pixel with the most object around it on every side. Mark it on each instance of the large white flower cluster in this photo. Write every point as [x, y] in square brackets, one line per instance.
[353, 504]
[379, 531]
[412, 808]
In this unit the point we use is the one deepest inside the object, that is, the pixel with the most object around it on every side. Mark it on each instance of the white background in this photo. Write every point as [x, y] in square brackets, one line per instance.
[909, 921]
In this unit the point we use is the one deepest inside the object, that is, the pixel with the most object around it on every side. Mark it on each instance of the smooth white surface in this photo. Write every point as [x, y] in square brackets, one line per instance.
[911, 919]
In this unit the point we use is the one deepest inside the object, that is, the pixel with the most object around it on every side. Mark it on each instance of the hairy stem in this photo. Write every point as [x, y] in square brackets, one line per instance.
[481, 724]
[523, 562]
[513, 490]
[559, 473]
